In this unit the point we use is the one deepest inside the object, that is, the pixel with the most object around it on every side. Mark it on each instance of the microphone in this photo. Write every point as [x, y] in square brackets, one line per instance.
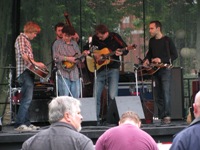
[140, 60]
[90, 41]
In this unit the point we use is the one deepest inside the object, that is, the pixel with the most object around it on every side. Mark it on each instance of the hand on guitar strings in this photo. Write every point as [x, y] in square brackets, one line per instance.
[40, 65]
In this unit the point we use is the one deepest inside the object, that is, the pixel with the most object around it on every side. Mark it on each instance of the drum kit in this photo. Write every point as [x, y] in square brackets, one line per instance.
[13, 92]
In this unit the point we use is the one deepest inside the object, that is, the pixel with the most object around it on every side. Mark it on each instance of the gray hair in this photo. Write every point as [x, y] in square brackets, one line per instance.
[59, 105]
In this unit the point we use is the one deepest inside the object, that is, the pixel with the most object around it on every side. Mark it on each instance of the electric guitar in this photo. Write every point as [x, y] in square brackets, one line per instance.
[102, 57]
[152, 68]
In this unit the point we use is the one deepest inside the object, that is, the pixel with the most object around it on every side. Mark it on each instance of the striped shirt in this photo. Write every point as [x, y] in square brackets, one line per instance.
[68, 50]
[22, 46]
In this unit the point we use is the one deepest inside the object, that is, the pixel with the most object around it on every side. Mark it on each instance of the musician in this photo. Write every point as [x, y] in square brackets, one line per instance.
[107, 75]
[66, 57]
[24, 56]
[58, 31]
[161, 50]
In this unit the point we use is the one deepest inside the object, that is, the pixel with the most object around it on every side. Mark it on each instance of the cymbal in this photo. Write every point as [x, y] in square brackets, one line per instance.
[8, 67]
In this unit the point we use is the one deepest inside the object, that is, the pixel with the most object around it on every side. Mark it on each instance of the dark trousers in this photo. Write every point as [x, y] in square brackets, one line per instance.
[161, 84]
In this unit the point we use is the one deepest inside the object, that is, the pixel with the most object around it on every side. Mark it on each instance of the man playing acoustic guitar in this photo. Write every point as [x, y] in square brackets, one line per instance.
[25, 78]
[161, 50]
[107, 74]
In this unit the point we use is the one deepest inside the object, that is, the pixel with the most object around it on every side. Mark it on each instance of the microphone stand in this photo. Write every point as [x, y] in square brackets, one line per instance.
[136, 79]
[81, 78]
[55, 69]
[95, 75]
[58, 71]
[142, 80]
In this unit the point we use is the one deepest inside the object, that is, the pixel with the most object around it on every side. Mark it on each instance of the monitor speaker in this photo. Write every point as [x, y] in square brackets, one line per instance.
[122, 104]
[88, 111]
[38, 110]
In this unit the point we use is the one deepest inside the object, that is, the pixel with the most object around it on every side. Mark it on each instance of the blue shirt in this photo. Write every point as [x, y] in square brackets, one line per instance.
[189, 138]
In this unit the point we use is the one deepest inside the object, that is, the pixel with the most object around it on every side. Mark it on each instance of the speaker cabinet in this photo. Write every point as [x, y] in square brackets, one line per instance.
[122, 104]
[176, 92]
[38, 110]
[88, 111]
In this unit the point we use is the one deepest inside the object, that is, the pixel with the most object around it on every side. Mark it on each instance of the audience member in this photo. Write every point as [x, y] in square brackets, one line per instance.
[127, 136]
[188, 139]
[65, 118]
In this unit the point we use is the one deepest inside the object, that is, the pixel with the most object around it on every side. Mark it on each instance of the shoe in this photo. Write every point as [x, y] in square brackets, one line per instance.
[34, 127]
[166, 120]
[23, 128]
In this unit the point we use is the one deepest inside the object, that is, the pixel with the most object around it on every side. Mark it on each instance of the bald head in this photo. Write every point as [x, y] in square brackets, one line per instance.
[197, 98]
[196, 105]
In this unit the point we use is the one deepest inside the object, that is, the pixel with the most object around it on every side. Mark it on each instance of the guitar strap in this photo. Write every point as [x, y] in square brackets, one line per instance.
[121, 43]
[168, 49]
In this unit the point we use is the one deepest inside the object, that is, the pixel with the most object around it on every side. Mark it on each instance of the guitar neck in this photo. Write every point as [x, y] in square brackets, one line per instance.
[121, 50]
[113, 52]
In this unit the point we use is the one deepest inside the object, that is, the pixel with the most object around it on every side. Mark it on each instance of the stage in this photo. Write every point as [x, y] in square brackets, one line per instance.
[12, 140]
[127, 99]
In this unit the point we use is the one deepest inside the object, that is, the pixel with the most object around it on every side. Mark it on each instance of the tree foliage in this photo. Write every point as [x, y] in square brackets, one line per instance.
[177, 16]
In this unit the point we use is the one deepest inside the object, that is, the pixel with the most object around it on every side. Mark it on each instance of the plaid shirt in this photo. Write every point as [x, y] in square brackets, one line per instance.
[67, 50]
[22, 47]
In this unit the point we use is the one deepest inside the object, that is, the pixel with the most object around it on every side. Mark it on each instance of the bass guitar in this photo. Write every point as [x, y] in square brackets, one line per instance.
[152, 68]
[102, 57]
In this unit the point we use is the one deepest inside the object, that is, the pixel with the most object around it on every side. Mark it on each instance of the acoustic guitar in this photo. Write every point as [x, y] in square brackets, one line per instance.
[102, 57]
[152, 68]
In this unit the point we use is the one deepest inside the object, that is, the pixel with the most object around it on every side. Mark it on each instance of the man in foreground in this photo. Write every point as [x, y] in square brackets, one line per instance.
[65, 118]
[189, 138]
[127, 136]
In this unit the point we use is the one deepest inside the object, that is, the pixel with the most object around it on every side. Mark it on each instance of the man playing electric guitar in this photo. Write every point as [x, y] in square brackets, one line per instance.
[107, 75]
[161, 50]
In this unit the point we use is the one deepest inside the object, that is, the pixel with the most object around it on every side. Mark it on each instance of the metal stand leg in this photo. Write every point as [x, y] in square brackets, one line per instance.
[10, 94]
[136, 79]
[58, 71]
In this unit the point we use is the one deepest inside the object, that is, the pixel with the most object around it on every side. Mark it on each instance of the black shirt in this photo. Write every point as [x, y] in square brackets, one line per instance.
[163, 48]
[112, 42]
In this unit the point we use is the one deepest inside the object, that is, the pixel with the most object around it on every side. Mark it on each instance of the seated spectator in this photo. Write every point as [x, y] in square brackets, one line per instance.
[188, 139]
[65, 118]
[126, 136]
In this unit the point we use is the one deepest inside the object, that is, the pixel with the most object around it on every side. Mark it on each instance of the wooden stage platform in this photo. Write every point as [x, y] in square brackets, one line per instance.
[12, 140]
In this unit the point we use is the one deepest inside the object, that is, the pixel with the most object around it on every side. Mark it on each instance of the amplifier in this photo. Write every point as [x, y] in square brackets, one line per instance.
[43, 91]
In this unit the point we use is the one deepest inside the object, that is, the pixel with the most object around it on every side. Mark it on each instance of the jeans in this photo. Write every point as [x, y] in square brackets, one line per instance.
[26, 81]
[65, 86]
[109, 78]
[162, 80]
